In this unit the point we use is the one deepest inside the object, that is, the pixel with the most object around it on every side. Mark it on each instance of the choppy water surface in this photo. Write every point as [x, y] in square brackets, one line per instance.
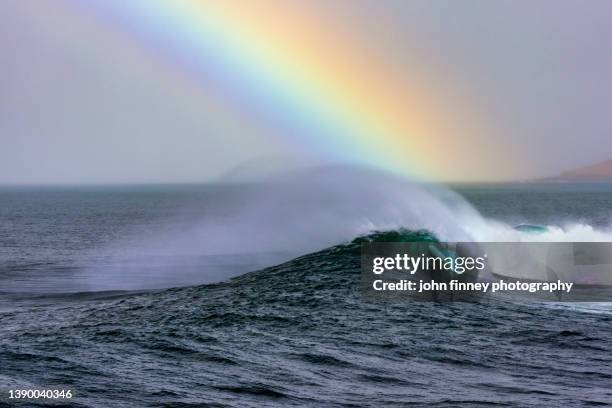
[295, 334]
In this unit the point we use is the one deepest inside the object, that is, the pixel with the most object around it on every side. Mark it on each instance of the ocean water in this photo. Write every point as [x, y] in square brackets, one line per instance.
[248, 295]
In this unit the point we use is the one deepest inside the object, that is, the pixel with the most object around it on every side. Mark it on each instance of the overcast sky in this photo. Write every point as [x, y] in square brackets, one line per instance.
[539, 72]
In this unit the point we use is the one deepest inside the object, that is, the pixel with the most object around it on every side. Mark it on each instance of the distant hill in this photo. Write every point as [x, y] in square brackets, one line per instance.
[596, 172]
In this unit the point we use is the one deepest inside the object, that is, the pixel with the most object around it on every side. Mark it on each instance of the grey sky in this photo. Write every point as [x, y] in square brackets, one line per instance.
[540, 72]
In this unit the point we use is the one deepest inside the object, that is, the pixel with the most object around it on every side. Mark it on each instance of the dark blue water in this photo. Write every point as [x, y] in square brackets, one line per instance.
[84, 305]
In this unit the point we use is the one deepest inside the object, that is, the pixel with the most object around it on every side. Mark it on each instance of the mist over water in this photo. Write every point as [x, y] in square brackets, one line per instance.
[237, 227]
[143, 237]
[280, 217]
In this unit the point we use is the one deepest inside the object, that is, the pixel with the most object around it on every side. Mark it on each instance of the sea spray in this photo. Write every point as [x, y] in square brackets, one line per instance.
[280, 217]
[232, 228]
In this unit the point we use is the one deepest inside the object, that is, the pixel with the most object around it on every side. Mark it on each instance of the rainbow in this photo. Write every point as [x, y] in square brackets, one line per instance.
[284, 66]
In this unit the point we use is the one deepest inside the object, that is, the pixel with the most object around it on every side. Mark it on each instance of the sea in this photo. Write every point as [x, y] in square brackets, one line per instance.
[246, 294]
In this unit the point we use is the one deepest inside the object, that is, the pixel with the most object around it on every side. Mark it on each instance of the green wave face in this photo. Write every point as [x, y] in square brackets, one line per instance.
[400, 235]
[531, 228]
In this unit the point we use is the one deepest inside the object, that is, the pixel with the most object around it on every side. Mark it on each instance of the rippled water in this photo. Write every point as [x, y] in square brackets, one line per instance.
[296, 334]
